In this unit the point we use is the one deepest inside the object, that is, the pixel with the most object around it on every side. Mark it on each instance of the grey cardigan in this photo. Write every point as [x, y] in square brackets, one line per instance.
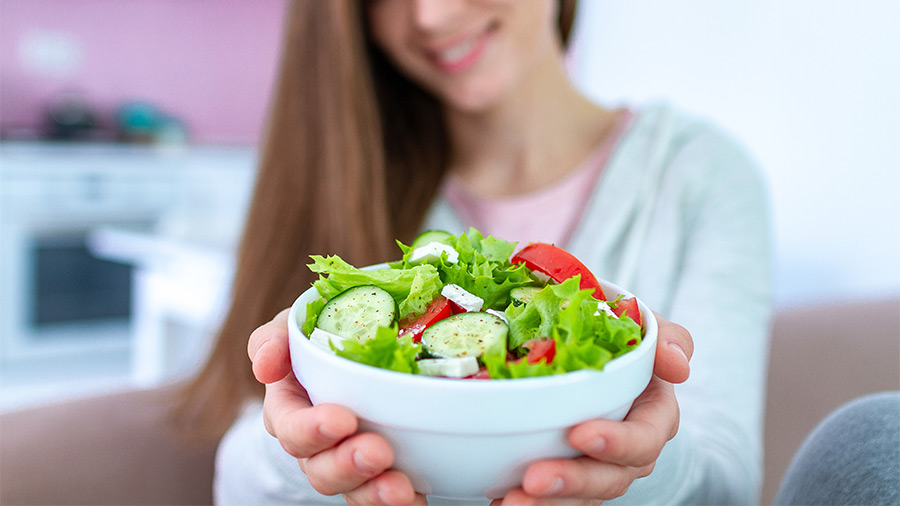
[680, 218]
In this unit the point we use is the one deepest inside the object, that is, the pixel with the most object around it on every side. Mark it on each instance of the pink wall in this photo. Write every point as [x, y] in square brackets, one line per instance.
[207, 62]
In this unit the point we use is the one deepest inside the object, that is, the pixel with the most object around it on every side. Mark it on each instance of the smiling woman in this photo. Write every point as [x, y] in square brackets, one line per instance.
[388, 118]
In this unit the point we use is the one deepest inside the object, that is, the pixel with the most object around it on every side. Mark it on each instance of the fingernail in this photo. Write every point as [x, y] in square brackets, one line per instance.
[555, 487]
[362, 463]
[680, 351]
[596, 446]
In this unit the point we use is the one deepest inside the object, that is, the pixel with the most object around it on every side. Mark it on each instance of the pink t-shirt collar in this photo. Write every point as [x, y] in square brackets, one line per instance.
[549, 214]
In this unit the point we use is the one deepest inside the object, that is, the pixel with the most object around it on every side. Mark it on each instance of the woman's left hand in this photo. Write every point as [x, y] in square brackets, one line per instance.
[616, 453]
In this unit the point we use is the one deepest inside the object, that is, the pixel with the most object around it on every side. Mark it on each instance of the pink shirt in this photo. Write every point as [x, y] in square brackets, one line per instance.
[547, 215]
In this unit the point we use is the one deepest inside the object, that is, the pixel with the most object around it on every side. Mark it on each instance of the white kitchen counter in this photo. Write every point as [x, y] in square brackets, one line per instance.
[180, 292]
[173, 213]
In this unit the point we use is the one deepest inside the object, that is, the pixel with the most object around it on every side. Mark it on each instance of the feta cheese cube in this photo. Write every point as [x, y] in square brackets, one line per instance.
[448, 367]
[432, 251]
[462, 298]
[544, 277]
[498, 314]
[604, 307]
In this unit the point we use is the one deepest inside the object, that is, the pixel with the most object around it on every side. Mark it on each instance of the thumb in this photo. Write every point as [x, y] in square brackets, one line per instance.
[268, 350]
[674, 348]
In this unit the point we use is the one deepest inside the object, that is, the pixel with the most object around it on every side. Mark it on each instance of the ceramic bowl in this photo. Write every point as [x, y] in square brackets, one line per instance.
[471, 439]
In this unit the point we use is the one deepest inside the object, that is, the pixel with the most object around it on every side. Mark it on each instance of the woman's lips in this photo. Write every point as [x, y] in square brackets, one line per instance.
[463, 54]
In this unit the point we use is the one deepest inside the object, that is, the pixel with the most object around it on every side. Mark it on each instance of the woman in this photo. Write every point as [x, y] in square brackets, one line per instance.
[396, 115]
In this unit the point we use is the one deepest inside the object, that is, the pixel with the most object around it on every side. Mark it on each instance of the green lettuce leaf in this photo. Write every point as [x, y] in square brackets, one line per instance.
[585, 337]
[313, 310]
[484, 268]
[386, 350]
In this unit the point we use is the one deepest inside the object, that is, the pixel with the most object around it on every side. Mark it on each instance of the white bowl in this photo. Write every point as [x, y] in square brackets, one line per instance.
[471, 439]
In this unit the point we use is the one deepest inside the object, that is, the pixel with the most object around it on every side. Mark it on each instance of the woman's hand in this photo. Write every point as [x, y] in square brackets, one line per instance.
[616, 453]
[323, 438]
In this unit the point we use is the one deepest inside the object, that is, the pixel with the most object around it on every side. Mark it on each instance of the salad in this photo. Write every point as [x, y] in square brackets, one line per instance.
[469, 306]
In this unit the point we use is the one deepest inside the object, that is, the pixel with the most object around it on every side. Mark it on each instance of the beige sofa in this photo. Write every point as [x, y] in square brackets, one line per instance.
[118, 449]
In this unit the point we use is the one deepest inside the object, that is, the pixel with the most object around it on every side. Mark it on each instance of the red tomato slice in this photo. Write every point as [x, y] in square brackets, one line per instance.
[482, 374]
[456, 308]
[437, 310]
[630, 308]
[557, 263]
[542, 348]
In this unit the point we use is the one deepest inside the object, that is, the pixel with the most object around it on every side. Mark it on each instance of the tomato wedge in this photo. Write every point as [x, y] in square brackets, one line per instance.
[482, 374]
[437, 310]
[557, 263]
[542, 348]
[628, 307]
[456, 308]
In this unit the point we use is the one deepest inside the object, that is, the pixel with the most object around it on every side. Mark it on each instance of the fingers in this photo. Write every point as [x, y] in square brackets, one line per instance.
[579, 480]
[638, 440]
[617, 453]
[268, 350]
[391, 487]
[674, 348]
[349, 465]
[518, 497]
[322, 437]
[304, 430]
[334, 459]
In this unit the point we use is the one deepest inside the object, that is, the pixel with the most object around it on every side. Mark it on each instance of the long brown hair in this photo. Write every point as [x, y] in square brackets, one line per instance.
[352, 158]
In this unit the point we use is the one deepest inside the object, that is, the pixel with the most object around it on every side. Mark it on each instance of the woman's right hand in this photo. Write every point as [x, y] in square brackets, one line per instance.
[323, 438]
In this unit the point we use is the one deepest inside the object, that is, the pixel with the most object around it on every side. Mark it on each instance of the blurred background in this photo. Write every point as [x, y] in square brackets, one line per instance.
[128, 134]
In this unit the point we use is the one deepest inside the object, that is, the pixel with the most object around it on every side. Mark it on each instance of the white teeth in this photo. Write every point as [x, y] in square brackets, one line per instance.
[458, 51]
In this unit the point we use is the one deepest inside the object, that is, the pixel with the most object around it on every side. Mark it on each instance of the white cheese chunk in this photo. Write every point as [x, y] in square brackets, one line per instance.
[448, 367]
[604, 307]
[321, 339]
[544, 277]
[498, 314]
[432, 251]
[462, 298]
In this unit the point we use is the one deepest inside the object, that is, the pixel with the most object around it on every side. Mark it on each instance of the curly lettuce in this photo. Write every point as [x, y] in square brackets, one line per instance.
[483, 267]
[584, 335]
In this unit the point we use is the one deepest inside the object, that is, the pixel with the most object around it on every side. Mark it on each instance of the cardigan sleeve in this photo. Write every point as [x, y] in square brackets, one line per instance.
[724, 297]
[712, 216]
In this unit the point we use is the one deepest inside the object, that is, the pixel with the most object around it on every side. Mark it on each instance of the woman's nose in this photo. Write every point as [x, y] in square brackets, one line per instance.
[434, 14]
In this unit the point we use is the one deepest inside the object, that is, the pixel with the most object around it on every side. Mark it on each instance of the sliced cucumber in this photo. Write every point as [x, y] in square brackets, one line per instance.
[358, 312]
[430, 236]
[523, 294]
[465, 335]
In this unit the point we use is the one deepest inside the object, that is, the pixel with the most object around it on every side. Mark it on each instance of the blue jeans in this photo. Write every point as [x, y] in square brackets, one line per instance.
[851, 458]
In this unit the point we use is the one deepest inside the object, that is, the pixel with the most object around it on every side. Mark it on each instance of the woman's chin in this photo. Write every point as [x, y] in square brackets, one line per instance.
[474, 98]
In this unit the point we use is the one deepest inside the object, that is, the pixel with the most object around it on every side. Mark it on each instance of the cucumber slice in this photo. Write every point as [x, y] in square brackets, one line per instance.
[523, 294]
[430, 236]
[465, 335]
[358, 312]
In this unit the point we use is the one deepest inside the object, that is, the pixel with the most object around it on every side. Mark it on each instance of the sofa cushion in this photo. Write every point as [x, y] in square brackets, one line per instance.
[114, 449]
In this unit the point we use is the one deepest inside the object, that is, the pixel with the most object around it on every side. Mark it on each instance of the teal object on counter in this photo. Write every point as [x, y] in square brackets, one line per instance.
[144, 121]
